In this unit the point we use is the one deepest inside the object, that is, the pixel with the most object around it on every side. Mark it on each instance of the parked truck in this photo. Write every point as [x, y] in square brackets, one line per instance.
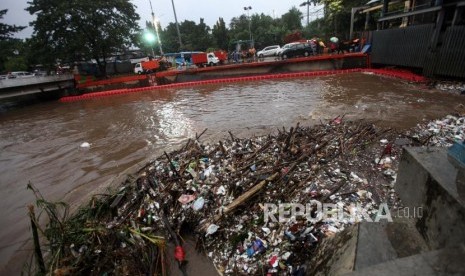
[222, 56]
[145, 67]
[204, 59]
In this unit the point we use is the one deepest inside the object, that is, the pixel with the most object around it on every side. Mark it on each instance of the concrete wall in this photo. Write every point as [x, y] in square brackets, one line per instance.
[427, 179]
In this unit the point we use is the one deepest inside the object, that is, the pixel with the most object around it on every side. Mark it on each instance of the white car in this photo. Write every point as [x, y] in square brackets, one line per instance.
[287, 46]
[22, 74]
[268, 51]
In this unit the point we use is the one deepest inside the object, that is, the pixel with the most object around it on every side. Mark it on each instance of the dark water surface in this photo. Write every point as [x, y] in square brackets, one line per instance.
[41, 143]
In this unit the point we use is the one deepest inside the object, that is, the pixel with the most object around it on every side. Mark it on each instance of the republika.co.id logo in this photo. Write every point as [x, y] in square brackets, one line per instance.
[315, 211]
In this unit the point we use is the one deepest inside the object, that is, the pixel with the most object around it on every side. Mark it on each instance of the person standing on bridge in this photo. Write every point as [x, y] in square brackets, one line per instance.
[251, 54]
[334, 44]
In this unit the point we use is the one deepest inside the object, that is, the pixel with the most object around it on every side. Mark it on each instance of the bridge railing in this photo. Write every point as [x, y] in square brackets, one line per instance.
[18, 82]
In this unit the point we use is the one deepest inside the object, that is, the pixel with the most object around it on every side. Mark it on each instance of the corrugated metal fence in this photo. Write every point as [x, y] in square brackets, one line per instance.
[403, 47]
[411, 47]
[451, 58]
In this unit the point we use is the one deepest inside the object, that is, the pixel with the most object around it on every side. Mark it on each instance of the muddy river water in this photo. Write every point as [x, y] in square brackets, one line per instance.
[40, 143]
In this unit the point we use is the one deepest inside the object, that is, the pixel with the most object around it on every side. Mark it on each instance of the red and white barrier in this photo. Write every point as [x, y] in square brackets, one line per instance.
[401, 74]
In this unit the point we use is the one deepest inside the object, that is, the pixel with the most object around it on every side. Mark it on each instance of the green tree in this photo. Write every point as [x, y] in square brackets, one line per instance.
[16, 63]
[266, 30]
[315, 28]
[7, 31]
[239, 29]
[10, 48]
[187, 29]
[292, 20]
[337, 17]
[220, 34]
[196, 37]
[202, 37]
[169, 37]
[83, 29]
[333, 11]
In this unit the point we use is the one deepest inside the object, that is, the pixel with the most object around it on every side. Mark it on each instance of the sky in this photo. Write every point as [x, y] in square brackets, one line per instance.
[192, 10]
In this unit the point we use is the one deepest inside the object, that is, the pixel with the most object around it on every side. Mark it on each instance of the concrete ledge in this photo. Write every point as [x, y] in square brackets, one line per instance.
[427, 179]
[448, 261]
[366, 244]
[20, 82]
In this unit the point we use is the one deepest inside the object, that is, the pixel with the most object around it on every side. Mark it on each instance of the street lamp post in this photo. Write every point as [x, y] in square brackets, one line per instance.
[177, 25]
[150, 38]
[250, 30]
[155, 26]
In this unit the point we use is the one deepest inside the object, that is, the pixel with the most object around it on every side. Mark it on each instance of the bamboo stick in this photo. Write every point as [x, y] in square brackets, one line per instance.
[35, 235]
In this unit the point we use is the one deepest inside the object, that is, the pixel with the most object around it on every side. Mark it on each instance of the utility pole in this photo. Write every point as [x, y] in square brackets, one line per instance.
[155, 26]
[177, 25]
[307, 3]
[352, 19]
[250, 21]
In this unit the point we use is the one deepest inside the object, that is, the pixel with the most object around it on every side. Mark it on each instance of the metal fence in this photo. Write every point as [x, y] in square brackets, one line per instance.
[451, 56]
[411, 47]
[403, 46]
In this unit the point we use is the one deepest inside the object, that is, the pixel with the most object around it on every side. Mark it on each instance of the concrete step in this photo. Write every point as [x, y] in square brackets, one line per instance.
[446, 261]
[427, 180]
[367, 244]
[429, 242]
[386, 241]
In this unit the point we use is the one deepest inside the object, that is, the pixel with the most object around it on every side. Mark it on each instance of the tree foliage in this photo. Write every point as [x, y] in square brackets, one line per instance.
[292, 20]
[239, 27]
[10, 48]
[82, 29]
[337, 17]
[170, 39]
[7, 31]
[195, 37]
[220, 34]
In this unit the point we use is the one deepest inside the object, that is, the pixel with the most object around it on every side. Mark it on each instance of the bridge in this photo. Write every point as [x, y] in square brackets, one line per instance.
[40, 86]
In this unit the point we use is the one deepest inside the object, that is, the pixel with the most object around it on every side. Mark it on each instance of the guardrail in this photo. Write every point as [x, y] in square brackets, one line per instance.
[40, 85]
[18, 82]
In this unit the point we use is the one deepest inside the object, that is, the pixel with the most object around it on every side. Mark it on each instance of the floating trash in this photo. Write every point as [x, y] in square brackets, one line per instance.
[85, 145]
[198, 204]
[350, 166]
[212, 229]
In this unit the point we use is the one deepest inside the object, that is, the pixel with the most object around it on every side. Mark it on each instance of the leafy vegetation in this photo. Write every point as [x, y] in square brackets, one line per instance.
[65, 31]
[83, 29]
[9, 47]
[84, 244]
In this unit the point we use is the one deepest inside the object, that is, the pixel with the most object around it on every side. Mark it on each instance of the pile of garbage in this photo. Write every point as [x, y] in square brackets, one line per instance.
[256, 205]
[222, 191]
[456, 87]
[442, 132]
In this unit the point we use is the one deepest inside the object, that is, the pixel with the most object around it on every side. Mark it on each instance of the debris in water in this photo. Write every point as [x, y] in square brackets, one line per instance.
[350, 165]
[85, 145]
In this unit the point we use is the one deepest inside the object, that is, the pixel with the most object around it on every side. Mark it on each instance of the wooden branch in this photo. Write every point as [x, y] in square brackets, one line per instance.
[239, 201]
[35, 235]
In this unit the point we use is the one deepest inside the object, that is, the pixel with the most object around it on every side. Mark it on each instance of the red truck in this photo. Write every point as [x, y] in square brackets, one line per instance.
[221, 55]
[203, 59]
[146, 66]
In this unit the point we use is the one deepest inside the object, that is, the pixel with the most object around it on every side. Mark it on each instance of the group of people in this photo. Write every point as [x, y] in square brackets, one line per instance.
[334, 46]
[348, 46]
[318, 46]
[241, 56]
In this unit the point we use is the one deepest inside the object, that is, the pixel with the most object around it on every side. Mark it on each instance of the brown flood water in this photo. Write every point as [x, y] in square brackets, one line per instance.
[40, 143]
